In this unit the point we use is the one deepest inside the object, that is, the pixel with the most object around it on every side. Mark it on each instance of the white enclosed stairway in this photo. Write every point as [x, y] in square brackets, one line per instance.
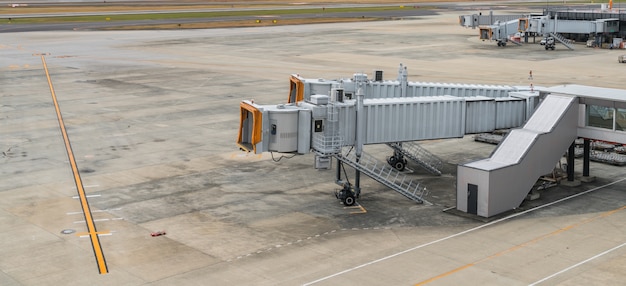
[501, 182]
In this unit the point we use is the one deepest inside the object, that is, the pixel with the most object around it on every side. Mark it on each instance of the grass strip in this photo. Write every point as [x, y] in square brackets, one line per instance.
[192, 15]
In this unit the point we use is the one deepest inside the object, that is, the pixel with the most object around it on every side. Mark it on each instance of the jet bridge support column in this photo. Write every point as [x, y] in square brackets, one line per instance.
[570, 162]
[349, 192]
[586, 159]
[358, 138]
[586, 150]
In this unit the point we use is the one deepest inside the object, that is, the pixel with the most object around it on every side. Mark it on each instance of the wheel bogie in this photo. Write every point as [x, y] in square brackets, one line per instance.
[346, 195]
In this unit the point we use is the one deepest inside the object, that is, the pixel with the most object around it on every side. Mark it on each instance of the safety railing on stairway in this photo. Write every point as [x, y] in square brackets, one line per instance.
[384, 174]
[562, 40]
[419, 155]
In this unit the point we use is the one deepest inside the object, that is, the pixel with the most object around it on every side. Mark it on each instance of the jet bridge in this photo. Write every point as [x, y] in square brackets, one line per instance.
[336, 118]
[501, 31]
[476, 20]
[328, 117]
[550, 27]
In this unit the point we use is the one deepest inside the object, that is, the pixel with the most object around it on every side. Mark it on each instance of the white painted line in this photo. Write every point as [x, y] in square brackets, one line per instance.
[576, 265]
[459, 233]
[89, 196]
[99, 234]
[90, 186]
[96, 211]
[447, 209]
[102, 219]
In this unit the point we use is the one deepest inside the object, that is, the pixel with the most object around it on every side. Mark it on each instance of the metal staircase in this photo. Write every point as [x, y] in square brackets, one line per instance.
[419, 155]
[384, 174]
[562, 40]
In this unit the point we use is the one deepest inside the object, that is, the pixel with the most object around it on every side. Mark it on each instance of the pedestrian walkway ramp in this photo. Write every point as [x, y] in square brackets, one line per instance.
[381, 172]
[501, 182]
[419, 155]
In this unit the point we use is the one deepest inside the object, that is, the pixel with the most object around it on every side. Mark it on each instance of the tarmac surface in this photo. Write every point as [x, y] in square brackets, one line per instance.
[152, 117]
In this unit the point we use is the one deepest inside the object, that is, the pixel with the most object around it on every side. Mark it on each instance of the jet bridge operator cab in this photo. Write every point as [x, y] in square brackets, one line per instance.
[292, 126]
[279, 128]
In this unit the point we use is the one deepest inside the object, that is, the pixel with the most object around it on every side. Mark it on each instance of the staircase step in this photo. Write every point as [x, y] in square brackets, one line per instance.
[384, 174]
[562, 40]
[419, 155]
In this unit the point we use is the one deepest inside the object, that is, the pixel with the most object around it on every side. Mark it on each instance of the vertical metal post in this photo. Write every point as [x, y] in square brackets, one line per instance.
[556, 23]
[403, 79]
[570, 163]
[586, 151]
[339, 166]
[358, 142]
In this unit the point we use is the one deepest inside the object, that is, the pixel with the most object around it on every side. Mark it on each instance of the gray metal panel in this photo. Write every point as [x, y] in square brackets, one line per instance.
[384, 89]
[304, 131]
[480, 115]
[510, 112]
[571, 26]
[284, 137]
[316, 86]
[392, 88]
[457, 89]
[410, 119]
[347, 122]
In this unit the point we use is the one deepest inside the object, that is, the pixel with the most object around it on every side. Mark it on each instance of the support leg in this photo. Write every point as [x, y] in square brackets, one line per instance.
[357, 184]
[570, 162]
[339, 166]
[586, 151]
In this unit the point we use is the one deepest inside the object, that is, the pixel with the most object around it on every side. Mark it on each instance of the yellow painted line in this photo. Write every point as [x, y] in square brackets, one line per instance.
[359, 206]
[519, 246]
[91, 227]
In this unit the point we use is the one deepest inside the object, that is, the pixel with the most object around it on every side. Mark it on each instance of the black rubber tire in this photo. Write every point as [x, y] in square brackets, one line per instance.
[399, 166]
[349, 200]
